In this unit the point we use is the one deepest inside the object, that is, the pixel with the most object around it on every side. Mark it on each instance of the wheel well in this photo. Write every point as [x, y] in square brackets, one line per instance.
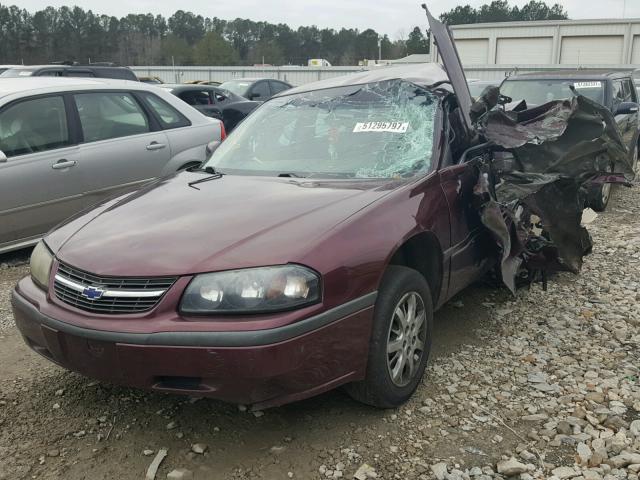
[422, 252]
[189, 165]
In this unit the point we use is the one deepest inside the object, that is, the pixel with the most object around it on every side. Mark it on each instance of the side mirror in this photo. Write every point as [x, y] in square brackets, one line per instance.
[253, 96]
[627, 108]
[3, 157]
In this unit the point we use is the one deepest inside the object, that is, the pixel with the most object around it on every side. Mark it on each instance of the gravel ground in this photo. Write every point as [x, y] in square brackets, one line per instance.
[541, 385]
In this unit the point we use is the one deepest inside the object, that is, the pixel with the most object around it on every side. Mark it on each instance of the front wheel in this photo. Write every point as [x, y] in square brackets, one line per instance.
[400, 340]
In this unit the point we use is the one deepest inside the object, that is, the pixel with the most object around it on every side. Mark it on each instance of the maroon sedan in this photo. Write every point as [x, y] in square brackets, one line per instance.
[309, 252]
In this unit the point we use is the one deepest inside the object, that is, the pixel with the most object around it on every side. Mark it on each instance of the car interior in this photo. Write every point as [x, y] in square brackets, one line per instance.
[33, 126]
[110, 115]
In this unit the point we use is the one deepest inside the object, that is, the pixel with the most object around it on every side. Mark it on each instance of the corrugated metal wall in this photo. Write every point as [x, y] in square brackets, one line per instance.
[293, 75]
[531, 46]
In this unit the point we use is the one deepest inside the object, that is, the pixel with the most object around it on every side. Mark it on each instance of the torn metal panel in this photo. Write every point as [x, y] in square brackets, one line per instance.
[534, 185]
[576, 137]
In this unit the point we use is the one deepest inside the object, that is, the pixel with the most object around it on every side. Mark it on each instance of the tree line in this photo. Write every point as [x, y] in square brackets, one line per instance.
[501, 11]
[185, 38]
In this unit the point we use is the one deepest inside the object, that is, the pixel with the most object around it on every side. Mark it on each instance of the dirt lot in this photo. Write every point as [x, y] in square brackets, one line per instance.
[548, 378]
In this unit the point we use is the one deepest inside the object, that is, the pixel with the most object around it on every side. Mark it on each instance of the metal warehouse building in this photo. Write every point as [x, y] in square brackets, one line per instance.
[492, 50]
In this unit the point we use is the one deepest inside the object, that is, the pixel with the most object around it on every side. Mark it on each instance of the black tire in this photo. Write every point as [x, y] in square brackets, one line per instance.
[378, 388]
[600, 195]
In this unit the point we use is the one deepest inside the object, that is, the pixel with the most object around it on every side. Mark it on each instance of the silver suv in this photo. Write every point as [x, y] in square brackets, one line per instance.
[66, 144]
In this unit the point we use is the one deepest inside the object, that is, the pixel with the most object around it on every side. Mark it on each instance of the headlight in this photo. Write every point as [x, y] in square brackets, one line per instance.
[41, 261]
[252, 290]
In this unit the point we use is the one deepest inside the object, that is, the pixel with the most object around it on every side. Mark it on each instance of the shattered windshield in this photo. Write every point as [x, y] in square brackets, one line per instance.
[539, 92]
[377, 130]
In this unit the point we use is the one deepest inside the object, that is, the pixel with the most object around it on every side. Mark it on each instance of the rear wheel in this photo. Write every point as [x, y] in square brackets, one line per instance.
[599, 196]
[400, 340]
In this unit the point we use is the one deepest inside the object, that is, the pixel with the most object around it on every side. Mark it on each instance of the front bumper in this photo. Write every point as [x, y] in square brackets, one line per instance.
[263, 368]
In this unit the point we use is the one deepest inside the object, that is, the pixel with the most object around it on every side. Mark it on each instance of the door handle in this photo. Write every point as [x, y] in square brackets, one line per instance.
[62, 164]
[155, 146]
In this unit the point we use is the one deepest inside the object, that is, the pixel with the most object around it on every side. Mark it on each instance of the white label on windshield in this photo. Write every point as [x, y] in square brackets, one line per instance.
[24, 74]
[393, 127]
[588, 84]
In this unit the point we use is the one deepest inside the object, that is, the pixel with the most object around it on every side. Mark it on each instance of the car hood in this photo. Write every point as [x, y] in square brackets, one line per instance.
[170, 228]
[448, 52]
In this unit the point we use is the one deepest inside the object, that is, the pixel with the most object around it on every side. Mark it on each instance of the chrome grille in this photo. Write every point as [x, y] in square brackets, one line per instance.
[110, 295]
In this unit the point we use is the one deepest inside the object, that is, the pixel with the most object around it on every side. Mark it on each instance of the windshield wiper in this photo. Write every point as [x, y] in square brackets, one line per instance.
[211, 170]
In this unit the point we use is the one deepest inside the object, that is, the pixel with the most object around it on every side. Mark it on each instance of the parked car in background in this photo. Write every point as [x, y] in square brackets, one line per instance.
[259, 89]
[214, 102]
[476, 87]
[4, 68]
[66, 144]
[96, 71]
[151, 80]
[203, 82]
[615, 90]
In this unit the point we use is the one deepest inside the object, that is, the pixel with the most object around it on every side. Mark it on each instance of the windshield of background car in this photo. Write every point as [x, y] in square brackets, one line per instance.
[237, 87]
[377, 130]
[476, 88]
[17, 72]
[539, 92]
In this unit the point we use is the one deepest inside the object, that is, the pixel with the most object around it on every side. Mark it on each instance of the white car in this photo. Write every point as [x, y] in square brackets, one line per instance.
[69, 143]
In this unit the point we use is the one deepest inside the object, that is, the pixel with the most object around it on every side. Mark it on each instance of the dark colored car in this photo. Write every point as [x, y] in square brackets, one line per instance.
[214, 102]
[259, 89]
[476, 87]
[97, 71]
[615, 90]
[314, 258]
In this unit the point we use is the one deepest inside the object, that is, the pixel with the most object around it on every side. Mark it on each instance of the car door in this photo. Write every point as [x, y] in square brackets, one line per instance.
[40, 172]
[627, 122]
[121, 146]
[202, 100]
[469, 240]
[277, 87]
[260, 91]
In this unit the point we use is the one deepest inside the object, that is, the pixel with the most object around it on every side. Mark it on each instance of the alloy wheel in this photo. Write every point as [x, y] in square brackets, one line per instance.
[406, 339]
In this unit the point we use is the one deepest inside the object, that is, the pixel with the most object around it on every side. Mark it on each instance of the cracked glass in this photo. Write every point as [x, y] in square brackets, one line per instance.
[376, 130]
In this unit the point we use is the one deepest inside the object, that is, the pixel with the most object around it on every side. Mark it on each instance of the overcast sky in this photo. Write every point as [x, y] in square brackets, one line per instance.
[385, 16]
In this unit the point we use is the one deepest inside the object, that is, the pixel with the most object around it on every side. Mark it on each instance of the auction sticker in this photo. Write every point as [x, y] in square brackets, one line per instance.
[393, 127]
[588, 84]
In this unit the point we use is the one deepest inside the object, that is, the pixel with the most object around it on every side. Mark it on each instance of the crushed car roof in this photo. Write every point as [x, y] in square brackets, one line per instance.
[422, 74]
